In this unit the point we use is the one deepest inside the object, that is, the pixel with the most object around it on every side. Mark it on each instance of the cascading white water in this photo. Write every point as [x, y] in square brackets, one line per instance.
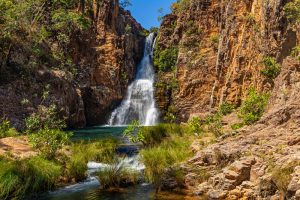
[139, 103]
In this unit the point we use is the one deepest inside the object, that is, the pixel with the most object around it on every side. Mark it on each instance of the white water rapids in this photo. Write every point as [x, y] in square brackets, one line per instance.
[139, 103]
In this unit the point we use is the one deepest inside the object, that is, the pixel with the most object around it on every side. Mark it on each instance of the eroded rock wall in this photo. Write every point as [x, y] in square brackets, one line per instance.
[104, 56]
[221, 47]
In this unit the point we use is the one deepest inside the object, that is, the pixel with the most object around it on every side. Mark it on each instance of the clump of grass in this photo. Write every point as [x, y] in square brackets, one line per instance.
[117, 176]
[237, 126]
[226, 108]
[167, 155]
[31, 176]
[6, 130]
[76, 167]
[101, 151]
[151, 136]
[282, 176]
[10, 183]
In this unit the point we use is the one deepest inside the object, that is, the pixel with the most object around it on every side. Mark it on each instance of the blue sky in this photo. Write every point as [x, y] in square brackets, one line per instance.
[146, 11]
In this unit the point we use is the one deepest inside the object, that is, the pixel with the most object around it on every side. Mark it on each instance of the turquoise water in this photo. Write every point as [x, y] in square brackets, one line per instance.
[98, 132]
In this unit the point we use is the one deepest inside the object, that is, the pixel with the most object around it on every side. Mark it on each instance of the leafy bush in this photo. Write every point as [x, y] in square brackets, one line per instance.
[272, 69]
[226, 108]
[6, 130]
[296, 52]
[166, 59]
[253, 106]
[31, 176]
[292, 11]
[196, 125]
[45, 118]
[214, 124]
[49, 141]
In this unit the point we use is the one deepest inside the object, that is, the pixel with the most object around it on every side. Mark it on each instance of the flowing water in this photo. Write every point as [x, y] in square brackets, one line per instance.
[139, 103]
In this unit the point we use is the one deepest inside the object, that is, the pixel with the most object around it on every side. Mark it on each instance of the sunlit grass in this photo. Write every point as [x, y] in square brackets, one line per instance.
[31, 176]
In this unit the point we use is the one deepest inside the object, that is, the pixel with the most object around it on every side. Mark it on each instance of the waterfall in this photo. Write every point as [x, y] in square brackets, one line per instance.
[139, 103]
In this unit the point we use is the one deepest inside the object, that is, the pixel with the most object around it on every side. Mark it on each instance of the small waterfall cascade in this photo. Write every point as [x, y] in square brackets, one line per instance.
[139, 103]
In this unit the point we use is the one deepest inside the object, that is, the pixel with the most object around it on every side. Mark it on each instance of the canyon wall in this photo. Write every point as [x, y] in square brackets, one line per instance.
[103, 60]
[221, 46]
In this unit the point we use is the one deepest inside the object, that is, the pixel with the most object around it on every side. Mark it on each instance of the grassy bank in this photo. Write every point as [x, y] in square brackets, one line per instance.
[31, 176]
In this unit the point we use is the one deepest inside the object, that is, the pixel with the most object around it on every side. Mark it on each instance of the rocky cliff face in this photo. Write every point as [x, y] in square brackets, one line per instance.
[111, 56]
[221, 46]
[104, 56]
[260, 161]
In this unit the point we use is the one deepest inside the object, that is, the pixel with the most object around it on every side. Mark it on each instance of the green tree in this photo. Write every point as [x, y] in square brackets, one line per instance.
[292, 11]
[253, 106]
[272, 68]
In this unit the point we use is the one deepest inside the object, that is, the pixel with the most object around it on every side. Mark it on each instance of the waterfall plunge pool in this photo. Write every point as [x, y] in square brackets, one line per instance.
[90, 188]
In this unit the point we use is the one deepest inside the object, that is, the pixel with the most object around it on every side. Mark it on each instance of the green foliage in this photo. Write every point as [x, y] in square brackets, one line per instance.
[196, 125]
[117, 176]
[43, 31]
[31, 176]
[215, 39]
[281, 176]
[101, 151]
[151, 135]
[170, 117]
[237, 126]
[128, 29]
[180, 6]
[226, 108]
[253, 106]
[292, 11]
[272, 68]
[6, 130]
[76, 167]
[133, 132]
[45, 118]
[64, 20]
[154, 30]
[165, 60]
[296, 52]
[49, 141]
[168, 154]
[250, 18]
[214, 124]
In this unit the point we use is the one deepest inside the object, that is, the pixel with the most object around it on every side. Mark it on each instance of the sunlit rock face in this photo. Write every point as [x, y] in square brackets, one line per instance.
[104, 56]
[221, 46]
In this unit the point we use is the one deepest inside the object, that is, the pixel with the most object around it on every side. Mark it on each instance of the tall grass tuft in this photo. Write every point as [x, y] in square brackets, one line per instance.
[100, 151]
[117, 176]
[169, 154]
[31, 176]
